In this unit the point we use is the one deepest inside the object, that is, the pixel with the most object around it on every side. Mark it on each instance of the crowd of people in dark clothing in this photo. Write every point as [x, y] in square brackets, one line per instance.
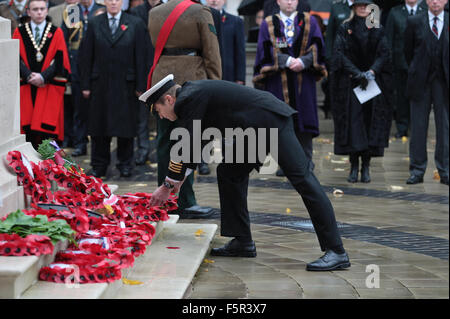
[405, 56]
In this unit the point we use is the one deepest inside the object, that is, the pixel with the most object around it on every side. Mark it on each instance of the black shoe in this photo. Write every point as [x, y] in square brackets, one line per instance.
[125, 172]
[329, 261]
[195, 212]
[234, 248]
[79, 151]
[414, 179]
[141, 158]
[280, 173]
[365, 175]
[98, 172]
[444, 180]
[400, 134]
[203, 169]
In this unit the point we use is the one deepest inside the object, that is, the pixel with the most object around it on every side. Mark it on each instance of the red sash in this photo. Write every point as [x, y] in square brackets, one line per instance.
[164, 34]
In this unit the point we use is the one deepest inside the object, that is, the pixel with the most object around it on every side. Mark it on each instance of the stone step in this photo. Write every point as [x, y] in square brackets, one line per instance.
[19, 273]
[168, 267]
[50, 290]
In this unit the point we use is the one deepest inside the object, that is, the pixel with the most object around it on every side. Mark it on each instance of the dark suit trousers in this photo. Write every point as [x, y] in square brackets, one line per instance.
[143, 143]
[80, 116]
[436, 94]
[401, 102]
[233, 188]
[101, 152]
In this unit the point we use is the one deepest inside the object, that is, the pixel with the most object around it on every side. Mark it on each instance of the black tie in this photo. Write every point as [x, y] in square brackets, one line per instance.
[412, 12]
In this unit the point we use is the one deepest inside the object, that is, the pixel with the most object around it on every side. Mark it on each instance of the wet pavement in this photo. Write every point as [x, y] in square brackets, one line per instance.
[393, 232]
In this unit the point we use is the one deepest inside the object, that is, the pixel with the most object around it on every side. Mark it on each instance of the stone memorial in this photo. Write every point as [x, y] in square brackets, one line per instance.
[11, 195]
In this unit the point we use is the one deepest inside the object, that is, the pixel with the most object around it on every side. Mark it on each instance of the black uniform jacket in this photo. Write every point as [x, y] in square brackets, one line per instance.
[222, 104]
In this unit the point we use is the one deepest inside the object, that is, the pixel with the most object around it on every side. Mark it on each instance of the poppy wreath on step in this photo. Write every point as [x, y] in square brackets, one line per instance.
[31, 245]
[106, 242]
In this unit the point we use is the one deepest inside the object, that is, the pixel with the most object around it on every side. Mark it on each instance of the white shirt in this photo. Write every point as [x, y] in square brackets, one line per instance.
[408, 8]
[350, 3]
[284, 19]
[41, 27]
[439, 23]
[117, 16]
[20, 5]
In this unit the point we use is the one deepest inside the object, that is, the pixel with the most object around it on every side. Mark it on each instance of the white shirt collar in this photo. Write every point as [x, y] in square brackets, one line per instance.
[440, 16]
[408, 7]
[285, 17]
[117, 16]
[20, 5]
[41, 26]
[350, 2]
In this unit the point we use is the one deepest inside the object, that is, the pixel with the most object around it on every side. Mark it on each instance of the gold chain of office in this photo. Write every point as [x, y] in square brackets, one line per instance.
[39, 55]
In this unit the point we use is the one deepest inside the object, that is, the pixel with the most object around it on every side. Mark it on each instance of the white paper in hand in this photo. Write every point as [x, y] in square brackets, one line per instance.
[369, 93]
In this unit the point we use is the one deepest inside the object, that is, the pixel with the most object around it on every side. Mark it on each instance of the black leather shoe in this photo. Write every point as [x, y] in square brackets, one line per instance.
[125, 172]
[234, 248]
[79, 152]
[330, 261]
[400, 134]
[141, 158]
[280, 173]
[98, 172]
[414, 179]
[444, 180]
[203, 169]
[195, 212]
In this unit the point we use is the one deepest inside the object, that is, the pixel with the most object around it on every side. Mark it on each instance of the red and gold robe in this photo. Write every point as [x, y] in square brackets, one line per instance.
[42, 109]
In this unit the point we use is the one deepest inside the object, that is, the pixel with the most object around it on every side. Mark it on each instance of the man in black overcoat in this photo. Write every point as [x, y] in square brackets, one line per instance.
[221, 105]
[143, 142]
[113, 77]
[426, 51]
[395, 32]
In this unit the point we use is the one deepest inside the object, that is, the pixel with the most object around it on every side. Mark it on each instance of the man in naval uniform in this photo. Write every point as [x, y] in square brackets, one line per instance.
[221, 105]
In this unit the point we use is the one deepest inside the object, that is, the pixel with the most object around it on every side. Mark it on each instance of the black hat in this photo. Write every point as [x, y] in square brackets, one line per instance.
[362, 2]
[157, 90]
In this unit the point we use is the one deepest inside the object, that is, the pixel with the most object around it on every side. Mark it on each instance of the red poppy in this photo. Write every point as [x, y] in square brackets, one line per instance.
[124, 27]
[49, 35]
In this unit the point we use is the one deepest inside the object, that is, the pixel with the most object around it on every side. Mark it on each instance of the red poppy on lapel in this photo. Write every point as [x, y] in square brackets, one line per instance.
[349, 31]
[224, 18]
[49, 35]
[300, 24]
[124, 27]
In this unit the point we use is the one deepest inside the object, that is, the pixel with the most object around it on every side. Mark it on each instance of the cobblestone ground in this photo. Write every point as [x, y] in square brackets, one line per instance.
[398, 229]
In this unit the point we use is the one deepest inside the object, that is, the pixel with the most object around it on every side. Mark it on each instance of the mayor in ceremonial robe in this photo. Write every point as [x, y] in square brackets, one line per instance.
[44, 67]
[289, 61]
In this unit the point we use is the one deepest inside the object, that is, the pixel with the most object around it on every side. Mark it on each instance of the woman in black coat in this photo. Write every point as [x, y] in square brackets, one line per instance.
[360, 54]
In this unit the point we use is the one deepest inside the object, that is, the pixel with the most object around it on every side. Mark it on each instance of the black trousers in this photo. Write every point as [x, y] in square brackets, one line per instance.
[233, 189]
[80, 116]
[401, 102]
[435, 94]
[101, 152]
[143, 142]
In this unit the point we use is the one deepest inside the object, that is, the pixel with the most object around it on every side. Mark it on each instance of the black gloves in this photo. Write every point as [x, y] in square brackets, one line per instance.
[361, 79]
